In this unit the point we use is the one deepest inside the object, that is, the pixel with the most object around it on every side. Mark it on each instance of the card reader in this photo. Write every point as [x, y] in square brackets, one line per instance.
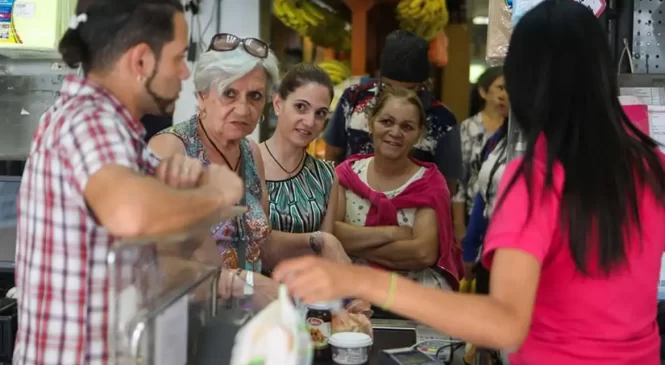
[406, 356]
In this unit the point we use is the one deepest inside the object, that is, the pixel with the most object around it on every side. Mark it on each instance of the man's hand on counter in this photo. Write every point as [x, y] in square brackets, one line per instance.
[180, 171]
[183, 172]
[221, 180]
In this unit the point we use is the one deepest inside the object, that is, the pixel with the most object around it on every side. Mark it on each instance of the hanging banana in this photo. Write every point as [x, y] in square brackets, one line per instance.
[423, 17]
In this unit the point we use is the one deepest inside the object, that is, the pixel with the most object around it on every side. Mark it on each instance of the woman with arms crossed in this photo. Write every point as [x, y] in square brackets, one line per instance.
[577, 235]
[394, 210]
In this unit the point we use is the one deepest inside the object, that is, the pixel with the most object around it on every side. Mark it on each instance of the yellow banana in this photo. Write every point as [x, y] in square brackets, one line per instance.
[313, 11]
[416, 4]
[403, 5]
[308, 19]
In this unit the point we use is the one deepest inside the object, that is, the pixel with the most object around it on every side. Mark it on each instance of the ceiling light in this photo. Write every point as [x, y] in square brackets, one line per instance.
[480, 20]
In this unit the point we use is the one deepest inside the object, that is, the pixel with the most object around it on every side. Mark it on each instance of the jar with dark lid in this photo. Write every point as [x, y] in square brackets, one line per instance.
[319, 324]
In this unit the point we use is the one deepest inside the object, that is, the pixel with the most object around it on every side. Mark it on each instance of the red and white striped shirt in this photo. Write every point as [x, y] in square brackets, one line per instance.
[61, 269]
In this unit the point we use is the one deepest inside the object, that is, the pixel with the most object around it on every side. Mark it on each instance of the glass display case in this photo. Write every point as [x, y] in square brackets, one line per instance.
[170, 306]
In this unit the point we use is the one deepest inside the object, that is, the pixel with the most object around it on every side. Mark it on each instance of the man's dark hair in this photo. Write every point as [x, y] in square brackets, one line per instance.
[114, 26]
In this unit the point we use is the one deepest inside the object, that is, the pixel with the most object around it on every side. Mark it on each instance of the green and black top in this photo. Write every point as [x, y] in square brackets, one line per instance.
[299, 204]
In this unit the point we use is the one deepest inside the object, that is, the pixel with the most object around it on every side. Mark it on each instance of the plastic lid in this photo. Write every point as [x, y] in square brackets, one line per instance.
[325, 306]
[350, 340]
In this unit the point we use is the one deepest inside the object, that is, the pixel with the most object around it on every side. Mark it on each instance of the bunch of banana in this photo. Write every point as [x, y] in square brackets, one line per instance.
[322, 26]
[422, 17]
[332, 34]
[299, 15]
[337, 70]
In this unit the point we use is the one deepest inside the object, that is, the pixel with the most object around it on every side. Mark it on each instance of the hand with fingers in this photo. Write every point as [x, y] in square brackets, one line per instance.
[180, 171]
[313, 279]
[223, 181]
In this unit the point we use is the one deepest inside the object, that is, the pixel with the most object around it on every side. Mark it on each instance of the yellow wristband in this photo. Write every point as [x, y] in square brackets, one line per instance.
[391, 293]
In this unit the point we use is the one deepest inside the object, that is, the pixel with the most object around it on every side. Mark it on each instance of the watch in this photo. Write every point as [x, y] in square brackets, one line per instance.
[314, 243]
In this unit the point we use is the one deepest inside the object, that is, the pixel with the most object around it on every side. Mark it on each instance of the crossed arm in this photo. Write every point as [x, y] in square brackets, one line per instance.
[394, 247]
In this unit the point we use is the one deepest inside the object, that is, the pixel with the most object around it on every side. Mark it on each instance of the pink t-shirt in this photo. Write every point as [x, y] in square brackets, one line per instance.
[577, 319]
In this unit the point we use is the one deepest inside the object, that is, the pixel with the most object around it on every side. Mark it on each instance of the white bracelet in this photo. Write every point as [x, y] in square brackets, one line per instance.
[249, 283]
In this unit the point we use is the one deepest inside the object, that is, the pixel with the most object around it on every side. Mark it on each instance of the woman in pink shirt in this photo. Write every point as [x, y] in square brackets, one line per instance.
[578, 232]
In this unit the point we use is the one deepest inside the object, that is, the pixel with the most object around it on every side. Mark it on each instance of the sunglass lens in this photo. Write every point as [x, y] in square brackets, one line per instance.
[225, 42]
[256, 47]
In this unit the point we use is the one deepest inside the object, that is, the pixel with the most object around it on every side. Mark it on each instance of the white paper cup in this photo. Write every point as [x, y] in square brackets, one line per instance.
[350, 348]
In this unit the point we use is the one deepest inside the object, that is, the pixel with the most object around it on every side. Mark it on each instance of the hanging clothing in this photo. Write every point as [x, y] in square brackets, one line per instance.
[473, 136]
[493, 155]
[299, 204]
[247, 231]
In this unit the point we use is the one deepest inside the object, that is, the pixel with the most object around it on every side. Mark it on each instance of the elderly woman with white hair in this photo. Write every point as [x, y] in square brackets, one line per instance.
[233, 82]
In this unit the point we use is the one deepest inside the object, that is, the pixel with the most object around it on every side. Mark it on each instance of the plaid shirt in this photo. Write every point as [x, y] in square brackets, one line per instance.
[61, 270]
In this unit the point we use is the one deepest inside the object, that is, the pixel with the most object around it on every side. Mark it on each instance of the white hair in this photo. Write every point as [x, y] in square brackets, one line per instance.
[221, 69]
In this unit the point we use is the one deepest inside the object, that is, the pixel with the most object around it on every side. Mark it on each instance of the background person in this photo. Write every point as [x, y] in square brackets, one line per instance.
[88, 180]
[394, 209]
[489, 109]
[404, 63]
[576, 237]
[494, 157]
[302, 189]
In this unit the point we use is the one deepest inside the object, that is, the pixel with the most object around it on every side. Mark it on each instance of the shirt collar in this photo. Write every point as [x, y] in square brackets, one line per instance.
[79, 86]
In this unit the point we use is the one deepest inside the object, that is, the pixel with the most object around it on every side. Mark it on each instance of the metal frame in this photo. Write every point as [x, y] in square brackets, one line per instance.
[648, 33]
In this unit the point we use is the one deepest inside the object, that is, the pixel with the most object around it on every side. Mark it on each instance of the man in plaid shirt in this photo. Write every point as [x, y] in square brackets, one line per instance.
[90, 179]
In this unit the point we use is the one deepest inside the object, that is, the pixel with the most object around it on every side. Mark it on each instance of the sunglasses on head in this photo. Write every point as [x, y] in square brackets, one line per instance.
[224, 42]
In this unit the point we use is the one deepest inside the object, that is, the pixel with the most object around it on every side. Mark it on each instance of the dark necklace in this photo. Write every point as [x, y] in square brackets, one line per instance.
[218, 150]
[280, 165]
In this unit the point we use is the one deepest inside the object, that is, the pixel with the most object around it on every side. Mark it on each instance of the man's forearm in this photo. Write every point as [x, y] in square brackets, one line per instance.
[357, 238]
[146, 207]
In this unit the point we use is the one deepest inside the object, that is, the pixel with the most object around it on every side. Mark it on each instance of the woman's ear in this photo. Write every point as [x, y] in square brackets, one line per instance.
[200, 100]
[277, 104]
[482, 92]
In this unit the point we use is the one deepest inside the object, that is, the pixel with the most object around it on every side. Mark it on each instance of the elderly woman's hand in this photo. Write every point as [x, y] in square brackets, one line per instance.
[232, 285]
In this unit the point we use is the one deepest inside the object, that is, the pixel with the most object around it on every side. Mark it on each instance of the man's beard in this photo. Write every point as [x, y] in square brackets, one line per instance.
[161, 102]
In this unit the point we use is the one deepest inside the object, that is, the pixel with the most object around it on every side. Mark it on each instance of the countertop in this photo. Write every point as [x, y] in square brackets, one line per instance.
[387, 336]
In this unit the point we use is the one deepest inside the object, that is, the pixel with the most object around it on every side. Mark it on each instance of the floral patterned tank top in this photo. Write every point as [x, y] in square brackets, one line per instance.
[248, 231]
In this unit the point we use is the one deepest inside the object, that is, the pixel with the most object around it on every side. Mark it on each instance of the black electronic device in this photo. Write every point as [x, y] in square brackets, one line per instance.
[406, 356]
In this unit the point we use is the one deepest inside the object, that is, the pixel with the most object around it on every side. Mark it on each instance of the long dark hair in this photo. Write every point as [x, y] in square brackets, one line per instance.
[485, 81]
[562, 84]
